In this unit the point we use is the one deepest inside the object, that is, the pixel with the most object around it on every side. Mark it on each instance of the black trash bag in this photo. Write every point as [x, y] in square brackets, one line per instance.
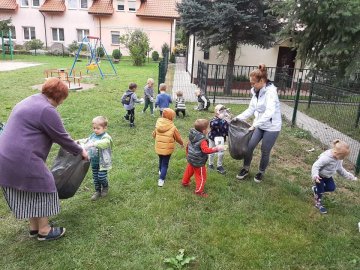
[239, 137]
[69, 171]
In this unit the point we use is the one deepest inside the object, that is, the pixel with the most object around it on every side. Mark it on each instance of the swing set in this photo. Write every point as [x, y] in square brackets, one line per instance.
[93, 45]
[7, 43]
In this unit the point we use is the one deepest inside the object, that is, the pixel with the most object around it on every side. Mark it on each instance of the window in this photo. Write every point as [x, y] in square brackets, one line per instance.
[35, 3]
[115, 37]
[29, 33]
[24, 3]
[206, 55]
[73, 4]
[81, 33]
[58, 34]
[132, 5]
[120, 5]
[83, 3]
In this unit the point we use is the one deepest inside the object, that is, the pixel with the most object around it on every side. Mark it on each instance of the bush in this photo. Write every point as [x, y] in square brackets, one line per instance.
[172, 58]
[180, 49]
[116, 54]
[137, 42]
[100, 52]
[155, 56]
[73, 47]
[34, 44]
[165, 49]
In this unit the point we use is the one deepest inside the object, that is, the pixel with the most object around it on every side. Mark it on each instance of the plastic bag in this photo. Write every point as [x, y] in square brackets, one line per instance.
[69, 171]
[239, 137]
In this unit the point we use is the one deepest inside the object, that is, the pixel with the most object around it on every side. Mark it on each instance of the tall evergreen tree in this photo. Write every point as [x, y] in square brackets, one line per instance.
[325, 33]
[229, 23]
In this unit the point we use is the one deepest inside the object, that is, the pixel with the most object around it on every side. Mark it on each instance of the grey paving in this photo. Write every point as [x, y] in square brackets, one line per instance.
[179, 79]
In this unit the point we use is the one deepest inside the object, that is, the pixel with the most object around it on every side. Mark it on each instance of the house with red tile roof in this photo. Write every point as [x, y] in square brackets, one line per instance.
[63, 21]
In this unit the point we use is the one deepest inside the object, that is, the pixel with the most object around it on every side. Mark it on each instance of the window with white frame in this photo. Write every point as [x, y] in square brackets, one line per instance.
[81, 33]
[120, 5]
[83, 3]
[132, 5]
[73, 4]
[29, 33]
[57, 34]
[35, 3]
[24, 3]
[115, 37]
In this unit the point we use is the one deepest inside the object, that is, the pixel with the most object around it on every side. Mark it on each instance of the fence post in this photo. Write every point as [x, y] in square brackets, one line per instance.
[160, 75]
[206, 78]
[293, 121]
[358, 117]
[357, 165]
[216, 74]
[311, 90]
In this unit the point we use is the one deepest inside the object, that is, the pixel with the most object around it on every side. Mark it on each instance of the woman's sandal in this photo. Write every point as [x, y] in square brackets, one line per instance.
[55, 233]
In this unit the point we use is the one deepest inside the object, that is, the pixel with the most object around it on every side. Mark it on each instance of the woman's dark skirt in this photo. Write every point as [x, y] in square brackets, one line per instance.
[25, 204]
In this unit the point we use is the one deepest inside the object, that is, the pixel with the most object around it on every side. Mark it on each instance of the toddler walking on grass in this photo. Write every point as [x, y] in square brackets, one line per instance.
[197, 152]
[323, 170]
[128, 100]
[165, 135]
[163, 100]
[99, 146]
[149, 96]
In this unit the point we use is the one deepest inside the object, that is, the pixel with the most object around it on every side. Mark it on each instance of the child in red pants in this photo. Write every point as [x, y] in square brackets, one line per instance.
[197, 151]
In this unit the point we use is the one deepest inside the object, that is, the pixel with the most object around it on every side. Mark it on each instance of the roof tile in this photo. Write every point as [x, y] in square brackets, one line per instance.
[158, 8]
[101, 7]
[8, 5]
[53, 6]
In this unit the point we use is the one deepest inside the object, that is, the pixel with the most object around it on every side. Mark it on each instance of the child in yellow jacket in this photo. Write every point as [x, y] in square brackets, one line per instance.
[165, 135]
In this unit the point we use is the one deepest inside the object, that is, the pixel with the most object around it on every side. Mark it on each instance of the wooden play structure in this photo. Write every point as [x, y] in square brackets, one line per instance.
[73, 81]
[93, 44]
[7, 44]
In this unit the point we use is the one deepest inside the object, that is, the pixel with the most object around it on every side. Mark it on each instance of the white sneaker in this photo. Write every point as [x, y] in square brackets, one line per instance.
[161, 183]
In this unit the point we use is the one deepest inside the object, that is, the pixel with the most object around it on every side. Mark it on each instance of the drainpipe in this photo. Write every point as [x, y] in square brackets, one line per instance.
[171, 34]
[46, 44]
[100, 26]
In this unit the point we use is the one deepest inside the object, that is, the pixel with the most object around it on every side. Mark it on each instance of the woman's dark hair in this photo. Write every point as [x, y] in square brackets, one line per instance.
[259, 73]
[55, 89]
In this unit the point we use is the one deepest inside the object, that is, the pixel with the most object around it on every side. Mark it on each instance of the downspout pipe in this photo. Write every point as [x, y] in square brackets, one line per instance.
[193, 60]
[46, 44]
[171, 35]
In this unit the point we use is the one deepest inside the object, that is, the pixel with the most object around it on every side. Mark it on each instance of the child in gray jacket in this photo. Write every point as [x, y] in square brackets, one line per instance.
[128, 100]
[324, 168]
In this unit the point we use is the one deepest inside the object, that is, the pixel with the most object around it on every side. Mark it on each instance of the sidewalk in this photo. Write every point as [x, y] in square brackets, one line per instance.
[178, 79]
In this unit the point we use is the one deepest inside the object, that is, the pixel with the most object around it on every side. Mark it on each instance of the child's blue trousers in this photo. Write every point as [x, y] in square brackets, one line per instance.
[325, 185]
[99, 177]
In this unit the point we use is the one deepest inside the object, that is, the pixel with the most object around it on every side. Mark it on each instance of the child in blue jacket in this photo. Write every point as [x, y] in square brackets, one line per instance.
[163, 100]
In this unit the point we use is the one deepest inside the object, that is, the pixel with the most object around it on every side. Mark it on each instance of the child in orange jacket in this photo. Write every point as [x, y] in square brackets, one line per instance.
[197, 152]
[165, 135]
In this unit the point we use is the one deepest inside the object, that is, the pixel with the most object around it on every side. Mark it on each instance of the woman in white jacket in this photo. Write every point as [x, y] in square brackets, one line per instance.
[265, 106]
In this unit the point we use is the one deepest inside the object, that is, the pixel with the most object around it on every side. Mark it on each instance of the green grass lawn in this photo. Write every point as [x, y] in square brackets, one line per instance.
[241, 225]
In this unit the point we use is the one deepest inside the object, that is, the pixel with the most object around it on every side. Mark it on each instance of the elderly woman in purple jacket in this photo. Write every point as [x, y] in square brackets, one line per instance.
[28, 185]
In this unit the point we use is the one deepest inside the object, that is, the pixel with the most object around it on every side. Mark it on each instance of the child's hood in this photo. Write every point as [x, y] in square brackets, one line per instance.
[195, 136]
[164, 124]
[168, 114]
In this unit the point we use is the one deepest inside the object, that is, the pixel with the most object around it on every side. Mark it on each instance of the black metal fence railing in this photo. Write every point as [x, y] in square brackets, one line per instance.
[320, 95]
[163, 67]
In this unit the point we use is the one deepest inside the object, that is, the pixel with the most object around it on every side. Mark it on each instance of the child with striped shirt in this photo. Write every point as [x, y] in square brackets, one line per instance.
[180, 106]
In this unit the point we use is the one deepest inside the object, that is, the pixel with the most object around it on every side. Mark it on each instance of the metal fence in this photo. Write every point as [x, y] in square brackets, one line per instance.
[320, 95]
[163, 67]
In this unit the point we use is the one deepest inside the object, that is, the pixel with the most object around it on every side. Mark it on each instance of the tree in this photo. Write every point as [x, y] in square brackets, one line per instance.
[229, 23]
[5, 25]
[325, 33]
[137, 42]
[34, 44]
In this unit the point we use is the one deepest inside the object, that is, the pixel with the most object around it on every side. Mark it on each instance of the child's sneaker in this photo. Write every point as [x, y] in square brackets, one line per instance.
[321, 208]
[202, 194]
[132, 125]
[161, 183]
[220, 170]
[242, 174]
[104, 191]
[258, 177]
[211, 167]
[96, 196]
[126, 117]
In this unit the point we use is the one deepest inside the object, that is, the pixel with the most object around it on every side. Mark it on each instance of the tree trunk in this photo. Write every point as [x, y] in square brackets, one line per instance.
[230, 69]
